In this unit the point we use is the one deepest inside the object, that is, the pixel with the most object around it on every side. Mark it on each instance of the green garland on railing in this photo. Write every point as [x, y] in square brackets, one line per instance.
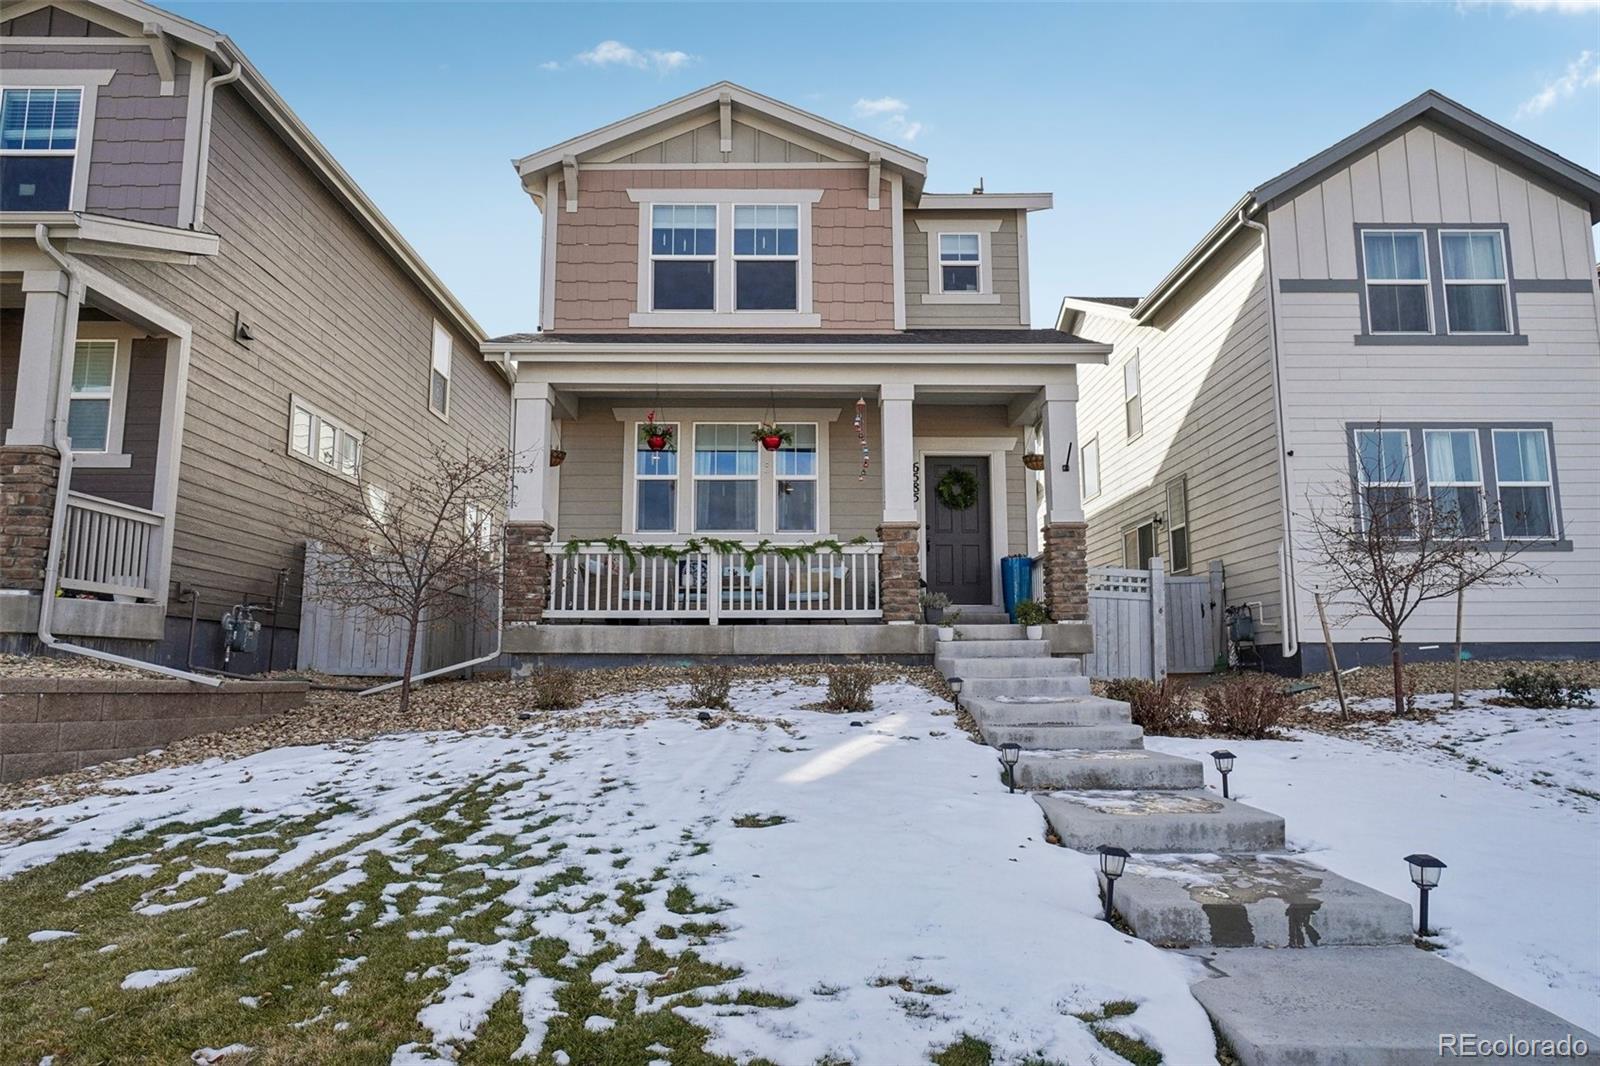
[698, 545]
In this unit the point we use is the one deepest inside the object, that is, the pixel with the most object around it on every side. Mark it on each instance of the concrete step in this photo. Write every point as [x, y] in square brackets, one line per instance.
[981, 616]
[1124, 768]
[1343, 1006]
[1064, 737]
[1146, 821]
[1004, 648]
[999, 629]
[978, 687]
[967, 669]
[1055, 710]
[1263, 901]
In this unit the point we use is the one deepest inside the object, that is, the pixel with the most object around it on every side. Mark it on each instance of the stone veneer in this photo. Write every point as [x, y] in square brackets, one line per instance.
[1066, 571]
[28, 475]
[527, 574]
[50, 725]
[900, 573]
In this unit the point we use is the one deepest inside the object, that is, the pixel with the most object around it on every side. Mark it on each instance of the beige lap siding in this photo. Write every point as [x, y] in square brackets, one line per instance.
[598, 246]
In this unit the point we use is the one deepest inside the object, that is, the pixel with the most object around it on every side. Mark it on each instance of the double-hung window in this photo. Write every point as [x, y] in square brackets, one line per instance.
[1090, 461]
[94, 375]
[1132, 405]
[1384, 474]
[1476, 293]
[38, 148]
[1139, 546]
[727, 477]
[1522, 471]
[683, 257]
[794, 468]
[1396, 264]
[766, 257]
[1455, 481]
[315, 438]
[1178, 524]
[655, 500]
[439, 375]
[960, 259]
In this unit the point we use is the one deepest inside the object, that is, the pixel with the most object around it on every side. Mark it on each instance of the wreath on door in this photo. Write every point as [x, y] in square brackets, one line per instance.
[957, 489]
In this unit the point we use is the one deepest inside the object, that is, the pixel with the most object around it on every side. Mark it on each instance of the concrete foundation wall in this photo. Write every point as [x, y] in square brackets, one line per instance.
[756, 643]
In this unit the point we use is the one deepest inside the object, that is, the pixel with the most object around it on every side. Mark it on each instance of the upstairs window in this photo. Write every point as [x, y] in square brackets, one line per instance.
[38, 148]
[1476, 292]
[322, 441]
[960, 259]
[94, 371]
[766, 257]
[1384, 475]
[439, 376]
[1132, 404]
[1522, 468]
[683, 257]
[1396, 264]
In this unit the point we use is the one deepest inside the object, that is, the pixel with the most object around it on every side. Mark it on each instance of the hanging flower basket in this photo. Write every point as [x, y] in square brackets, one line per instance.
[657, 436]
[557, 456]
[771, 436]
[957, 489]
[1033, 461]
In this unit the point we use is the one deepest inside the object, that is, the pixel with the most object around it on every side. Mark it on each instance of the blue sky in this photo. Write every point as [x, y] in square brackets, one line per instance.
[1147, 121]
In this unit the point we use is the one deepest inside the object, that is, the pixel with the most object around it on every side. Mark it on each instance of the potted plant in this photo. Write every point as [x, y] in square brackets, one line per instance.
[947, 623]
[1032, 613]
[657, 436]
[1033, 460]
[933, 605]
[771, 436]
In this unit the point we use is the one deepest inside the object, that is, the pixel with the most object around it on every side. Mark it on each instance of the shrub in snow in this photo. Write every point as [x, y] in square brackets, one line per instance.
[555, 688]
[708, 687]
[1545, 687]
[1249, 706]
[849, 689]
[1163, 708]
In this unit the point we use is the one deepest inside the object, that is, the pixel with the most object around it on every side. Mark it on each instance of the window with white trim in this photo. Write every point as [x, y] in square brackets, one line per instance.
[1139, 546]
[1384, 475]
[683, 257]
[1090, 461]
[1178, 524]
[795, 474]
[479, 526]
[1455, 480]
[38, 148]
[1477, 295]
[1525, 484]
[377, 503]
[1395, 264]
[315, 438]
[766, 257]
[1132, 405]
[960, 261]
[655, 488]
[94, 375]
[727, 478]
[439, 375]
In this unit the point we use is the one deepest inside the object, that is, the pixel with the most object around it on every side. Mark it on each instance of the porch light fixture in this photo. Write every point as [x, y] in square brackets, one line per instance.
[1224, 761]
[1010, 752]
[1112, 861]
[955, 691]
[1425, 875]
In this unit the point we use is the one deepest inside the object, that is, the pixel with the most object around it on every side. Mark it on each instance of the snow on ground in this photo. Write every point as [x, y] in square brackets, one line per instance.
[895, 891]
[1519, 903]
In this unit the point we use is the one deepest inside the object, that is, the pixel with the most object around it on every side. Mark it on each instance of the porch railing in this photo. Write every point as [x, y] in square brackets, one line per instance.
[106, 547]
[601, 582]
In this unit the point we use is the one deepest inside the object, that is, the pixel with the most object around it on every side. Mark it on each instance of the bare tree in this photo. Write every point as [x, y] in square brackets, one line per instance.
[1386, 549]
[424, 549]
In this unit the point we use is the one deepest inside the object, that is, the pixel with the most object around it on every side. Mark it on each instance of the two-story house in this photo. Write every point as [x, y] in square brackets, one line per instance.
[1411, 314]
[776, 380]
[199, 310]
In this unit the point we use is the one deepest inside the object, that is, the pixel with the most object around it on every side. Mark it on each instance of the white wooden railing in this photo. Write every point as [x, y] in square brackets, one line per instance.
[596, 581]
[105, 547]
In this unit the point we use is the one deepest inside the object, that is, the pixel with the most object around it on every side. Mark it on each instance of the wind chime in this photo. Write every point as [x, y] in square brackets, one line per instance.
[861, 435]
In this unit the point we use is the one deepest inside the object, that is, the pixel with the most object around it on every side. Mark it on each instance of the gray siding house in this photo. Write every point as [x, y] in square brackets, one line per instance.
[199, 309]
[1425, 291]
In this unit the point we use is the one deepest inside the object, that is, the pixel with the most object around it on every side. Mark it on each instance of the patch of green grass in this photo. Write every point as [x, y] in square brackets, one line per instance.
[968, 1051]
[911, 984]
[1131, 1048]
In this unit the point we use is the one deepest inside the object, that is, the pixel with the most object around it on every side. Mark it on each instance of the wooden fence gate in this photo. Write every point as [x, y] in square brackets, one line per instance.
[1148, 624]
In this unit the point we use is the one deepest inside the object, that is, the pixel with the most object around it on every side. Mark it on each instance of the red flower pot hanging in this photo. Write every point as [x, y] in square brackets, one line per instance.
[771, 436]
[657, 436]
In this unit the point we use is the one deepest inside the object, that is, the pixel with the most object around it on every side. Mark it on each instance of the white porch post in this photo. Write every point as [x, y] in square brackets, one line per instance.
[49, 328]
[169, 454]
[1066, 573]
[901, 567]
[533, 403]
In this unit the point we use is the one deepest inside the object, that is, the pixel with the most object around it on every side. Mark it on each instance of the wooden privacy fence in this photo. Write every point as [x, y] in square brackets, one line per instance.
[1149, 624]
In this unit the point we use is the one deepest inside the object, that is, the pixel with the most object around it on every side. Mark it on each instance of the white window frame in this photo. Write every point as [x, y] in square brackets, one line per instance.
[985, 229]
[341, 433]
[695, 478]
[1363, 483]
[1477, 454]
[441, 362]
[815, 477]
[1135, 396]
[737, 259]
[1088, 464]
[481, 521]
[647, 235]
[1132, 531]
[1181, 484]
[1549, 484]
[634, 477]
[88, 82]
[723, 314]
[980, 265]
[1504, 281]
[377, 502]
[1426, 281]
[115, 398]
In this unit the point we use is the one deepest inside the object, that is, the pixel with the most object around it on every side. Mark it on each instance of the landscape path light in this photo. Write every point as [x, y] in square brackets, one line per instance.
[1224, 760]
[1112, 861]
[1425, 875]
[955, 691]
[1010, 752]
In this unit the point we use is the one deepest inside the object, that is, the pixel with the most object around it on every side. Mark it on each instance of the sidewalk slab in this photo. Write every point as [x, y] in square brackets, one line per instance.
[1189, 820]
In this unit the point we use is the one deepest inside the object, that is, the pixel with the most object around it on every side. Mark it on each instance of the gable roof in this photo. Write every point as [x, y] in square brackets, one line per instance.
[1430, 106]
[852, 144]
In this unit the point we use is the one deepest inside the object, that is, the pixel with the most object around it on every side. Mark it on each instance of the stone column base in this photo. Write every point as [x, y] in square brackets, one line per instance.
[29, 474]
[527, 572]
[900, 572]
[1066, 571]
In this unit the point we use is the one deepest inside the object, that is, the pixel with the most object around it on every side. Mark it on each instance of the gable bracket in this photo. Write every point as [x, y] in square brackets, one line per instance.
[569, 174]
[725, 122]
[161, 52]
[874, 167]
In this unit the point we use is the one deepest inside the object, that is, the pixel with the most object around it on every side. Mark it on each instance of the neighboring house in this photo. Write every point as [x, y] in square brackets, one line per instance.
[725, 260]
[199, 297]
[1413, 311]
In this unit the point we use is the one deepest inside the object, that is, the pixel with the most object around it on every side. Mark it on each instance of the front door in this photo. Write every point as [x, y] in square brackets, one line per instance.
[960, 555]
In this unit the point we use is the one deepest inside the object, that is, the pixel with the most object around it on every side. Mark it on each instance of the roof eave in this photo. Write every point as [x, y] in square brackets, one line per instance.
[996, 201]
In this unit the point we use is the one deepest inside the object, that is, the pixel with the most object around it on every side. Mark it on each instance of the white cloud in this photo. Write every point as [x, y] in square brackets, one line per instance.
[891, 111]
[1582, 73]
[1560, 7]
[550, 64]
[617, 54]
[883, 105]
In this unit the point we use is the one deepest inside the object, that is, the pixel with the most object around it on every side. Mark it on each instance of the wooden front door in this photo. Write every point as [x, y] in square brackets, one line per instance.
[960, 554]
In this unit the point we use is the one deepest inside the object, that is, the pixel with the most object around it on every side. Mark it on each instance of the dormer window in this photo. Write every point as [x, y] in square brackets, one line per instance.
[683, 257]
[38, 148]
[960, 260]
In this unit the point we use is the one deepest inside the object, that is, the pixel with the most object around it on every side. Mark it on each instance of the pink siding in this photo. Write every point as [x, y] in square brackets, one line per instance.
[597, 247]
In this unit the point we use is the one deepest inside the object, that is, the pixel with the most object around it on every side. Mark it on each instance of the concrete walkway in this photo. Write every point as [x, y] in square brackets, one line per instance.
[1211, 877]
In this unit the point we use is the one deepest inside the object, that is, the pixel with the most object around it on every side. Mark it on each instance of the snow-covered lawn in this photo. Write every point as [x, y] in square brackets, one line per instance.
[808, 890]
[1508, 797]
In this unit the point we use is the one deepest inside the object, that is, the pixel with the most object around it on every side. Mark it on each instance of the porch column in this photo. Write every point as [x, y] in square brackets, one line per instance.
[901, 567]
[528, 520]
[1066, 571]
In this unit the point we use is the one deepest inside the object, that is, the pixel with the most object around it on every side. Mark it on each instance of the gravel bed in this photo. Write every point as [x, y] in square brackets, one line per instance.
[32, 666]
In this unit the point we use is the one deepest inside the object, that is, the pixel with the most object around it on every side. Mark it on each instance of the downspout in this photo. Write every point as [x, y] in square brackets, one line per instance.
[63, 443]
[203, 164]
[1291, 596]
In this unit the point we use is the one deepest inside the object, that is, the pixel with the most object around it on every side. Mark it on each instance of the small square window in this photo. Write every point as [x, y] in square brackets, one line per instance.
[960, 259]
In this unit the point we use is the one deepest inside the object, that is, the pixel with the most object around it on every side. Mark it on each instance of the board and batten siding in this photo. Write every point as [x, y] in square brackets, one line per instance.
[1206, 388]
[335, 321]
[1425, 175]
[1004, 267]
